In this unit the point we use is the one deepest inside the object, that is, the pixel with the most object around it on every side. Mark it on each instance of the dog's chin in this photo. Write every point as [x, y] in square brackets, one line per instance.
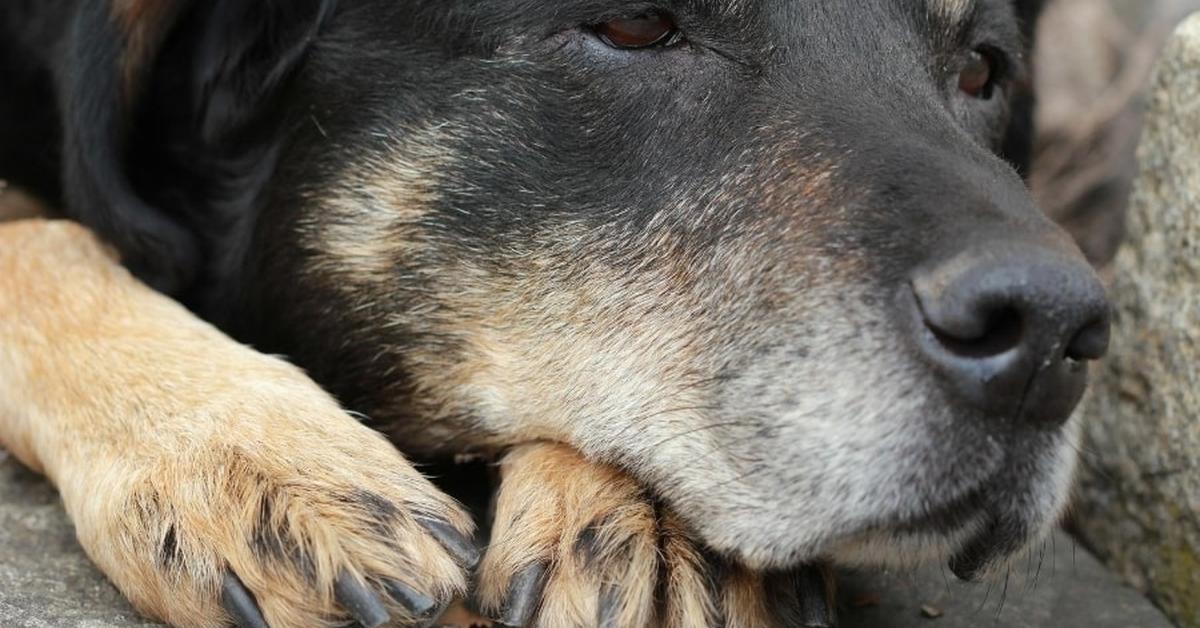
[975, 538]
[982, 530]
[974, 529]
[973, 544]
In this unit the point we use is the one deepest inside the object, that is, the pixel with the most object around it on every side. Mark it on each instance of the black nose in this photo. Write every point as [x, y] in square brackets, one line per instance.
[1011, 326]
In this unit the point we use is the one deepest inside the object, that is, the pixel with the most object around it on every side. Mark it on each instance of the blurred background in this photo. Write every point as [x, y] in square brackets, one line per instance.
[1138, 502]
[1093, 64]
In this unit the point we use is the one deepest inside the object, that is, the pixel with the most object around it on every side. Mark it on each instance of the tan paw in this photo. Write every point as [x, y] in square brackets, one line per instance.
[578, 544]
[211, 483]
[289, 515]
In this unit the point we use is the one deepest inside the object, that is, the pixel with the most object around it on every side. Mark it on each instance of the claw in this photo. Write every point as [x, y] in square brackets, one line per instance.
[420, 606]
[362, 604]
[240, 604]
[458, 544]
[524, 593]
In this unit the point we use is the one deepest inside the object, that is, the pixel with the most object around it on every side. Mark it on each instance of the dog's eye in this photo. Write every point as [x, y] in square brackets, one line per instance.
[978, 76]
[643, 31]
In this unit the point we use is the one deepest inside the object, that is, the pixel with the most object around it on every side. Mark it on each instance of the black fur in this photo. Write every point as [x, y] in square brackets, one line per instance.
[202, 168]
[1018, 142]
[96, 123]
[170, 170]
[205, 143]
[195, 174]
[779, 148]
[176, 178]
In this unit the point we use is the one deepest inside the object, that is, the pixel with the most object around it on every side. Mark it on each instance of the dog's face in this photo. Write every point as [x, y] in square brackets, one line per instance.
[768, 256]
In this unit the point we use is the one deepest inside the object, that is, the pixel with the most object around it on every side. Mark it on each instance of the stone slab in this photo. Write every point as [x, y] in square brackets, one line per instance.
[46, 581]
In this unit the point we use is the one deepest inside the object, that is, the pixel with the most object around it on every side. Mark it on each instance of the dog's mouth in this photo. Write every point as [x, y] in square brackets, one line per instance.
[1002, 535]
[985, 534]
[971, 533]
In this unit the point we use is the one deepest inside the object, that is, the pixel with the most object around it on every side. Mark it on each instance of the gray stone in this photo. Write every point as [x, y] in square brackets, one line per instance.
[1062, 587]
[47, 582]
[1139, 504]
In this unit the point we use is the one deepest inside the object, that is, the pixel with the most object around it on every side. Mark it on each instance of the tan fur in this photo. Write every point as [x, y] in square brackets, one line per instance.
[688, 600]
[582, 331]
[601, 538]
[377, 221]
[153, 424]
[549, 497]
[15, 204]
[744, 600]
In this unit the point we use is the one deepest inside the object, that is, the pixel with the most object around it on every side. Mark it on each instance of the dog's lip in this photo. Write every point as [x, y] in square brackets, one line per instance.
[1003, 535]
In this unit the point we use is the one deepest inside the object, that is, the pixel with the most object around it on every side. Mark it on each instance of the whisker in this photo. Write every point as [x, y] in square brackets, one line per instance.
[1004, 593]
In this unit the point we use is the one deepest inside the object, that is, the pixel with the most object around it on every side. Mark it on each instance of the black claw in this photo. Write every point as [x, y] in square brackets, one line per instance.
[813, 592]
[420, 606]
[460, 546]
[524, 593]
[362, 604]
[240, 604]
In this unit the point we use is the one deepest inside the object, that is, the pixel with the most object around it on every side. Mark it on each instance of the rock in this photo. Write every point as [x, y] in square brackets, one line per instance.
[47, 582]
[1139, 503]
[1091, 69]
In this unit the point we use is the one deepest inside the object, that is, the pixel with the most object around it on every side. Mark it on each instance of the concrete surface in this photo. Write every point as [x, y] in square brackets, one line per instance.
[1070, 590]
[47, 582]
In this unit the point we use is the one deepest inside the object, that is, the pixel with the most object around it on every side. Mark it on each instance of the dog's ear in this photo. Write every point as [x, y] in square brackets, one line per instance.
[1018, 141]
[165, 120]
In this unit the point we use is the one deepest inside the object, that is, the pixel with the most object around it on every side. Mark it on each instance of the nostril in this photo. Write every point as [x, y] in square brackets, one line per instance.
[1009, 328]
[1091, 343]
[993, 333]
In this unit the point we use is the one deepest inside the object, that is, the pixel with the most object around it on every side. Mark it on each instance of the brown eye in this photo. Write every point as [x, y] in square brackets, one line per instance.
[978, 77]
[644, 31]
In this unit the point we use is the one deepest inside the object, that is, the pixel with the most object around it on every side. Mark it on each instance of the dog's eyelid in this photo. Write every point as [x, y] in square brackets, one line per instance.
[1000, 55]
[1011, 66]
[986, 69]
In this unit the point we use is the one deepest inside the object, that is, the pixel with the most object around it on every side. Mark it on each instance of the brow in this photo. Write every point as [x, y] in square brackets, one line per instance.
[952, 12]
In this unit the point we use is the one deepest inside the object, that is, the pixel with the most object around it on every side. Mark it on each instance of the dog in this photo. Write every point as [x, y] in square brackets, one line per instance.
[732, 291]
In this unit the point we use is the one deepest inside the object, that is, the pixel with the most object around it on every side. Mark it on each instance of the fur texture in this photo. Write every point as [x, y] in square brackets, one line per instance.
[482, 225]
[182, 456]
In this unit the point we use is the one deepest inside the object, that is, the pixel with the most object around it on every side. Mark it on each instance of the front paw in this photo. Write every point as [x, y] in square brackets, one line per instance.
[579, 544]
[290, 514]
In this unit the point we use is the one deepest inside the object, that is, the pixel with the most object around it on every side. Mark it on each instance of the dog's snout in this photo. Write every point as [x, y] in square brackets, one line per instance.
[1011, 327]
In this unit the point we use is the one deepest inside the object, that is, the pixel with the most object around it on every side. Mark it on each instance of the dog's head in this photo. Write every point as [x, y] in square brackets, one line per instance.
[775, 258]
